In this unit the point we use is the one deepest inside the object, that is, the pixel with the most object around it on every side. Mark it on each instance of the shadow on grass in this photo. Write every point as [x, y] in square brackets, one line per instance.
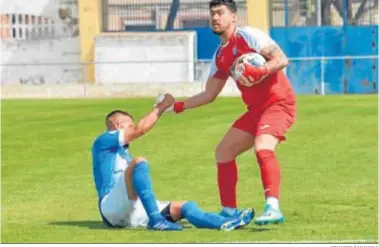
[260, 229]
[91, 224]
[99, 225]
[94, 224]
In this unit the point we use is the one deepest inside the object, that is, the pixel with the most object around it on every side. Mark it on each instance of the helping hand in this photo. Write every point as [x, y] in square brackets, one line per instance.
[166, 101]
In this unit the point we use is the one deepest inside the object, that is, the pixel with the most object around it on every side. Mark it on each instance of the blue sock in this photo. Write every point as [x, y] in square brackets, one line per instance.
[201, 219]
[142, 185]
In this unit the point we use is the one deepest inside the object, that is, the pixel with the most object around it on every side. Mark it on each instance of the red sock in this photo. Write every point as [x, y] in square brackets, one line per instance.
[270, 172]
[227, 176]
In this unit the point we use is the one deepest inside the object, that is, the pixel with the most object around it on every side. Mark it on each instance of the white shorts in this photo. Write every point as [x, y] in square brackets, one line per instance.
[122, 212]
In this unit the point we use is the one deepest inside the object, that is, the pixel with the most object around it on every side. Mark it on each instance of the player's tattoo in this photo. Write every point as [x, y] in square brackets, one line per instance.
[271, 50]
[277, 60]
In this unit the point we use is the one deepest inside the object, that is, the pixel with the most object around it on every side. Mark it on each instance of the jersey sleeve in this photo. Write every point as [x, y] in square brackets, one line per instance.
[216, 72]
[255, 38]
[112, 139]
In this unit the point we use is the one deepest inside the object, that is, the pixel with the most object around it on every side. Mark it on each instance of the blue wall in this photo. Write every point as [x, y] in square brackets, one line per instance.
[340, 76]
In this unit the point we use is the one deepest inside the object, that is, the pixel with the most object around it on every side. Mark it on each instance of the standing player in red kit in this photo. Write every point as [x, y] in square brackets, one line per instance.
[270, 101]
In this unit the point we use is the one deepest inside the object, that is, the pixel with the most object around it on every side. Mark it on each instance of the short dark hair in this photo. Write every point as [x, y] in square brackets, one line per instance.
[230, 4]
[114, 112]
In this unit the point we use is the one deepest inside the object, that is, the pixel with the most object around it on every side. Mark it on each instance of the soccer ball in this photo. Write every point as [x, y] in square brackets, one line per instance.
[252, 58]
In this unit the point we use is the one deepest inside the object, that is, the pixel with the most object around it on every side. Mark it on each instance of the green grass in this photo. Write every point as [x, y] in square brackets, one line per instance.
[329, 165]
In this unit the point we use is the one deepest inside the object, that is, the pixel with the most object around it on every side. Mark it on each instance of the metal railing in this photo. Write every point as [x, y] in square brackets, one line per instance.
[147, 15]
[308, 75]
[340, 72]
[323, 12]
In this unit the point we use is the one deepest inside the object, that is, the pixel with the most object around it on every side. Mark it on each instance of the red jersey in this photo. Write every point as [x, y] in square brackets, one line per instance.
[276, 87]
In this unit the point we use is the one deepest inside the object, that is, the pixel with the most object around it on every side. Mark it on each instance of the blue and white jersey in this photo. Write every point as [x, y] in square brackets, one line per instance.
[110, 157]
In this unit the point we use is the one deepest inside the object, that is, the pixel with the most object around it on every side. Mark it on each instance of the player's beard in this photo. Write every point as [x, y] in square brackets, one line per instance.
[220, 33]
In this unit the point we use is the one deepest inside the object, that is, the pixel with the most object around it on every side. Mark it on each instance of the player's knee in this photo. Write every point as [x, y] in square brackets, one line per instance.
[220, 149]
[139, 160]
[176, 210]
[265, 142]
[177, 205]
[188, 205]
[139, 164]
[223, 153]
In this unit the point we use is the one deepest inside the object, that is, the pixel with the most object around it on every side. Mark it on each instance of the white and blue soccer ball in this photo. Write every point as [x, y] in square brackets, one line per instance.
[252, 58]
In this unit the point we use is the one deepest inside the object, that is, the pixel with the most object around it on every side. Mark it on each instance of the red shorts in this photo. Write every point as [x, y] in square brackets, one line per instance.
[274, 120]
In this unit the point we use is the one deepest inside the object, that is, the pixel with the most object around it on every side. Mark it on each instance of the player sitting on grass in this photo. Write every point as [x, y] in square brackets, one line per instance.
[123, 184]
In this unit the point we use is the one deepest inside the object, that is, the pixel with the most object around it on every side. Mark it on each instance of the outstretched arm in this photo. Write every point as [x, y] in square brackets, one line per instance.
[212, 90]
[147, 122]
[215, 83]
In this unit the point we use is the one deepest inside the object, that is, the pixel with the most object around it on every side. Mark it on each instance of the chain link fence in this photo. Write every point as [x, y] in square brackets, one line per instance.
[323, 12]
[147, 15]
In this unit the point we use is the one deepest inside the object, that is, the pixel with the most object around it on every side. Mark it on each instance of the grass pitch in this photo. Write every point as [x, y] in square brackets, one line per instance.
[329, 166]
